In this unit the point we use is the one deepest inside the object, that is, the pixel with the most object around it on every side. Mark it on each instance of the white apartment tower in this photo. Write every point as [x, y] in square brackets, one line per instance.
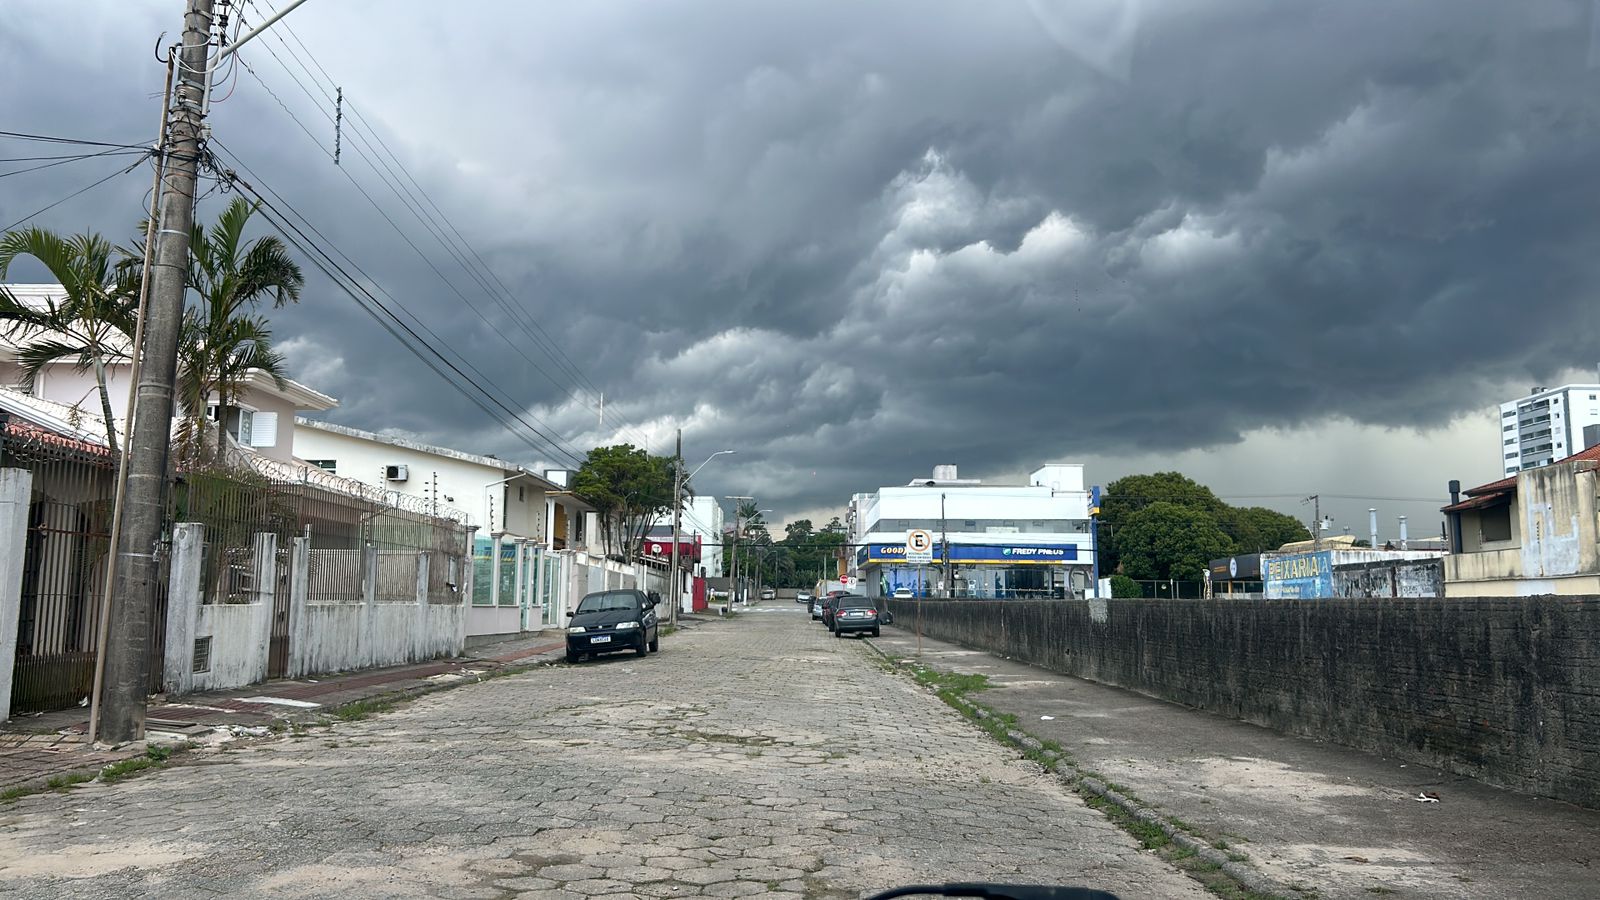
[1548, 424]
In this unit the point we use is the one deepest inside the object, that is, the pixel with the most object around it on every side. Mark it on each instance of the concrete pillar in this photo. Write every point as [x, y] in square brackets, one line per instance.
[420, 629]
[184, 594]
[265, 549]
[519, 587]
[299, 616]
[369, 600]
[16, 494]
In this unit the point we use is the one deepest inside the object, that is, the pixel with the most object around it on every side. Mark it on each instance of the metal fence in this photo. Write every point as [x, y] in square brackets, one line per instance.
[69, 526]
[64, 565]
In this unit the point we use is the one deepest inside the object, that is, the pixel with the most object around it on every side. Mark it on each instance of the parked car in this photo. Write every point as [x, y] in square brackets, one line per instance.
[903, 594]
[828, 606]
[769, 594]
[609, 621]
[855, 613]
[802, 597]
[815, 607]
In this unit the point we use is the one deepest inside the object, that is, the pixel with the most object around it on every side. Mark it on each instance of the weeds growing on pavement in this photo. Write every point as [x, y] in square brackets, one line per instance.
[357, 710]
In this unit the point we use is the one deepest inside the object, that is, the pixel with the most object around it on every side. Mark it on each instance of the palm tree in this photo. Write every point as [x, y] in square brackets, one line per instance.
[91, 325]
[222, 342]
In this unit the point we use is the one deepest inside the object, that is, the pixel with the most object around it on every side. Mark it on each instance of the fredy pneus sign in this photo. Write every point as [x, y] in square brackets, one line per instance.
[989, 554]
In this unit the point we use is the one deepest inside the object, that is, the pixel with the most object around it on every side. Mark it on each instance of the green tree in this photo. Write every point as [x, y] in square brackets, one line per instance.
[1165, 540]
[629, 488]
[92, 325]
[1256, 528]
[1123, 587]
[222, 341]
[1126, 496]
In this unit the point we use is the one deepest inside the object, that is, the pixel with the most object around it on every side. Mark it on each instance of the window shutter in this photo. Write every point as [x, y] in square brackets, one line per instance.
[264, 429]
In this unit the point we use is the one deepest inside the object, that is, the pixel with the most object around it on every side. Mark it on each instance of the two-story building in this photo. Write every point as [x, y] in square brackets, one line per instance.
[520, 514]
[994, 540]
[1535, 532]
[262, 418]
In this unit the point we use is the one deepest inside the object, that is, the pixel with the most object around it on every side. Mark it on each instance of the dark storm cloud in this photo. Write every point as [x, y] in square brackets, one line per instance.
[857, 240]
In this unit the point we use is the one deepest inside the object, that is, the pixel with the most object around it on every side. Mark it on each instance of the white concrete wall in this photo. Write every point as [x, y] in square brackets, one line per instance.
[16, 493]
[462, 484]
[240, 633]
[333, 637]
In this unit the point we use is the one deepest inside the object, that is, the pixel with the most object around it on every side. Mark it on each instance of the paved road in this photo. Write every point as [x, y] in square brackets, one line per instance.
[757, 756]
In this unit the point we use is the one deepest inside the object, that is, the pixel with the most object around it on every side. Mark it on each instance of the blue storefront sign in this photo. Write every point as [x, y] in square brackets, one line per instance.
[1304, 576]
[981, 554]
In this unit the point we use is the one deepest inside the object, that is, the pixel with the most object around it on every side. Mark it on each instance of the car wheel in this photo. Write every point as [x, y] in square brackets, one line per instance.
[837, 633]
[644, 645]
[655, 644]
[574, 658]
[875, 632]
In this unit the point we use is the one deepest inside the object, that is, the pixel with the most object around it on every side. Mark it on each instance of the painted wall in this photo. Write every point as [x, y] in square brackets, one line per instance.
[1500, 689]
[462, 484]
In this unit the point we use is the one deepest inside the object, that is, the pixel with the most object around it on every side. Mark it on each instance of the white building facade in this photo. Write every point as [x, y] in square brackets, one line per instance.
[520, 515]
[1548, 424]
[1028, 540]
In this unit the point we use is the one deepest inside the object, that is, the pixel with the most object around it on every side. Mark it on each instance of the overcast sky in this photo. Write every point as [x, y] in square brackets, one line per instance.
[1285, 248]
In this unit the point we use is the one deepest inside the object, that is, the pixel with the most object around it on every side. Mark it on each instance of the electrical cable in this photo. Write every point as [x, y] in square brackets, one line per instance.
[555, 442]
[71, 159]
[84, 189]
[52, 139]
[414, 210]
[541, 338]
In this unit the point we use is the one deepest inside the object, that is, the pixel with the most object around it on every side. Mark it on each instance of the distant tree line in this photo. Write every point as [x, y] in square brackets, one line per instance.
[1167, 525]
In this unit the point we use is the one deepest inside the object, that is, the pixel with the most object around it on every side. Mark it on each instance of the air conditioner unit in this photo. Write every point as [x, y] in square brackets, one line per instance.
[397, 473]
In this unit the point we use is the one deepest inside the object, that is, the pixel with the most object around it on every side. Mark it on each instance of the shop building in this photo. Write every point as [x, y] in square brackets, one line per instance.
[1029, 540]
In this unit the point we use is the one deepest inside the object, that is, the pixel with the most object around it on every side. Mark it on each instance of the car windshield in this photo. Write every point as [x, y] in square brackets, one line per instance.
[609, 602]
[855, 603]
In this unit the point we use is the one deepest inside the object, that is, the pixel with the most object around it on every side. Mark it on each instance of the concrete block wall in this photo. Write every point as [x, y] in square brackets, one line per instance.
[1504, 690]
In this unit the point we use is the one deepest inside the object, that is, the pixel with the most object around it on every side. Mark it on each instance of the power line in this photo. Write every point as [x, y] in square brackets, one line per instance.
[86, 188]
[459, 249]
[53, 139]
[376, 308]
[61, 161]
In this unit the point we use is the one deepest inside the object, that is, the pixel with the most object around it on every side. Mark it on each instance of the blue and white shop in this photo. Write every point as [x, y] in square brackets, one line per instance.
[1005, 540]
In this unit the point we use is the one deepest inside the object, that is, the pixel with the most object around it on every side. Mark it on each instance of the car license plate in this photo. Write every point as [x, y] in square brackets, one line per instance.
[600, 639]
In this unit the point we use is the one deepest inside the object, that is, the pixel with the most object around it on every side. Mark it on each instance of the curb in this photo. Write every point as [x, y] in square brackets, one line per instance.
[1074, 778]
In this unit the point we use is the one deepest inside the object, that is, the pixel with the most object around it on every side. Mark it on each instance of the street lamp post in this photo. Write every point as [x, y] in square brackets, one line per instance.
[733, 557]
[673, 588]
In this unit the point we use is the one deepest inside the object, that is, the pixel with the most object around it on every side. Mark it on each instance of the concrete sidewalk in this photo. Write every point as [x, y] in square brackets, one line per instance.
[36, 748]
[1319, 816]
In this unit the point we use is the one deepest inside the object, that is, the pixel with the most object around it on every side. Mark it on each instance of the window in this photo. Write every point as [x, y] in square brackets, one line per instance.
[1511, 412]
[1511, 456]
[1509, 427]
[243, 432]
[331, 465]
[520, 497]
[1495, 524]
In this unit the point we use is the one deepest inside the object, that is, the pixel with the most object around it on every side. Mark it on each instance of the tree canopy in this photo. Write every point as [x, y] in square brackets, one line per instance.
[629, 488]
[1167, 525]
[1165, 540]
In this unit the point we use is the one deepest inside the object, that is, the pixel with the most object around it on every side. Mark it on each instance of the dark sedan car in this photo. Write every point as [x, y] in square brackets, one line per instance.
[829, 600]
[609, 621]
[856, 614]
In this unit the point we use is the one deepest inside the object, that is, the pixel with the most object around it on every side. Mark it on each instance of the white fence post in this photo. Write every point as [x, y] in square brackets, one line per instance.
[299, 597]
[419, 623]
[16, 493]
[369, 600]
[183, 607]
[265, 547]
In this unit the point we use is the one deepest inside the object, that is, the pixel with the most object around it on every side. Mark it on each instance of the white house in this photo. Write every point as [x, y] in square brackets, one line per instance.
[262, 420]
[1004, 540]
[516, 510]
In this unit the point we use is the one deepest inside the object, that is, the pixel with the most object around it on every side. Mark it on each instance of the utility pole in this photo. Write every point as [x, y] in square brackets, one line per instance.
[677, 526]
[944, 547]
[127, 667]
[1316, 521]
[733, 565]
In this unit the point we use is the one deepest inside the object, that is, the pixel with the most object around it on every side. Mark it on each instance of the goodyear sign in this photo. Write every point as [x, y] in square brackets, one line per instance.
[1304, 576]
[979, 554]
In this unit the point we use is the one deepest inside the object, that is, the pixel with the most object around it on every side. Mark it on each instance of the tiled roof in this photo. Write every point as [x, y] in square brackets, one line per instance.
[1508, 485]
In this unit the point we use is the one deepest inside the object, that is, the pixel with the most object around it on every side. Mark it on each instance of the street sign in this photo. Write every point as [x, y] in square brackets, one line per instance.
[919, 547]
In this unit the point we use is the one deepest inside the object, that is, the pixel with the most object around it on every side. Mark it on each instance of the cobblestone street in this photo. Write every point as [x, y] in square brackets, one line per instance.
[758, 756]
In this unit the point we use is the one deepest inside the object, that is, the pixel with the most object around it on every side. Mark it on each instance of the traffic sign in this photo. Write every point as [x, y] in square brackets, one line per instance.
[919, 547]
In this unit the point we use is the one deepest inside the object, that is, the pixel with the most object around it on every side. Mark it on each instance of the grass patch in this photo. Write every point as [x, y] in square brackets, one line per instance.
[357, 710]
[62, 782]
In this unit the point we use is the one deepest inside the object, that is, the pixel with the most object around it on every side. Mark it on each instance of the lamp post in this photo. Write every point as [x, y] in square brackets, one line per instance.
[753, 520]
[678, 480]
